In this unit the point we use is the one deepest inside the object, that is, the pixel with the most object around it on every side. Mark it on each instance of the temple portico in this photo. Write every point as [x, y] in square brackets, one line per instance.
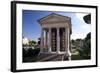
[55, 34]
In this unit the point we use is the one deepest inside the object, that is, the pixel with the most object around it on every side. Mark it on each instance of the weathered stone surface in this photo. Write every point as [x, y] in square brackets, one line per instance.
[58, 28]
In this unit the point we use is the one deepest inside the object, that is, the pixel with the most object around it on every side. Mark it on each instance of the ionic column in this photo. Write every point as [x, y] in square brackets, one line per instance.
[49, 40]
[66, 39]
[58, 41]
[69, 53]
[42, 41]
[67, 43]
[44, 38]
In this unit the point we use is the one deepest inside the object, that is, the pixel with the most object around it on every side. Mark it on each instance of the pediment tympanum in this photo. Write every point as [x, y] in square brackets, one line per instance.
[54, 18]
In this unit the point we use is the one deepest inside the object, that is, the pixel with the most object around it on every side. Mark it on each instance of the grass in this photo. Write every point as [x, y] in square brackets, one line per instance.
[78, 57]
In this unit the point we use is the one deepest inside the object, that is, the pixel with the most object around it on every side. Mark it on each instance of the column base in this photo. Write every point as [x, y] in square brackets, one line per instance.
[49, 50]
[69, 58]
[58, 52]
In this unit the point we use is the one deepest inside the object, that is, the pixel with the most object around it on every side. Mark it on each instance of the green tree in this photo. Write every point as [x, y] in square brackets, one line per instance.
[87, 46]
[73, 41]
[39, 39]
[32, 42]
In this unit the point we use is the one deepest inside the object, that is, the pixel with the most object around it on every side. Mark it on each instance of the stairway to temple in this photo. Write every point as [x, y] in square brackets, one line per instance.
[50, 57]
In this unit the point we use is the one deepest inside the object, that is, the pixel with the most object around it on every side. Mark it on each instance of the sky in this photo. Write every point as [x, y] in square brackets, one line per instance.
[31, 29]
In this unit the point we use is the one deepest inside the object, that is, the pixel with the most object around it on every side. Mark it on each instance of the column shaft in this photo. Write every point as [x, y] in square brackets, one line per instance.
[49, 39]
[69, 53]
[66, 40]
[44, 38]
[42, 41]
[58, 41]
[67, 43]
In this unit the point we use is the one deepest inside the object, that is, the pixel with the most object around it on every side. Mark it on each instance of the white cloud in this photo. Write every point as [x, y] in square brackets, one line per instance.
[81, 29]
[85, 26]
[80, 16]
[78, 35]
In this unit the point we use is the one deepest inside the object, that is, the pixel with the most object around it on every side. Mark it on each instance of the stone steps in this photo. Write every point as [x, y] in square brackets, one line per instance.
[50, 57]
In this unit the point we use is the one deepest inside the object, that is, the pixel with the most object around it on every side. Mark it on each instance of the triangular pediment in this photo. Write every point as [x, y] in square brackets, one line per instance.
[54, 18]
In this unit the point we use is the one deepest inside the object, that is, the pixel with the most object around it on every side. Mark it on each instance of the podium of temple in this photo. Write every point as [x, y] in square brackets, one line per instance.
[55, 34]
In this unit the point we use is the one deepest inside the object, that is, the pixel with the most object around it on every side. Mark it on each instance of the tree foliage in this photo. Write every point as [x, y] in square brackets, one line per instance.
[32, 42]
[86, 49]
[83, 46]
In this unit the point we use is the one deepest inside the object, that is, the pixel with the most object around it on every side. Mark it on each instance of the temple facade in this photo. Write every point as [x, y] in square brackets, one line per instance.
[55, 34]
